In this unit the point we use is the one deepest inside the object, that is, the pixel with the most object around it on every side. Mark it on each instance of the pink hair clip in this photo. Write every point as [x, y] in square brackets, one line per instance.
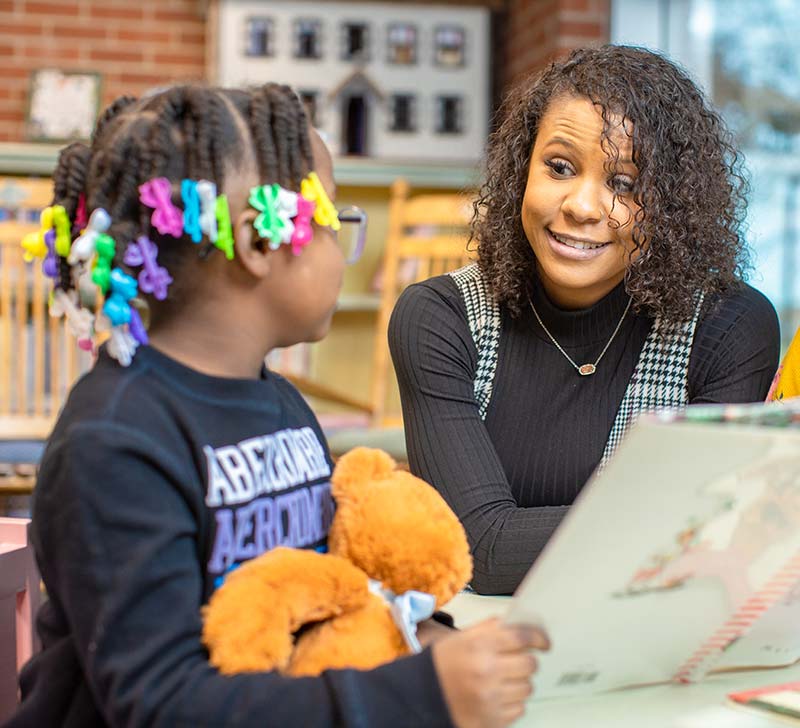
[166, 218]
[80, 213]
[302, 224]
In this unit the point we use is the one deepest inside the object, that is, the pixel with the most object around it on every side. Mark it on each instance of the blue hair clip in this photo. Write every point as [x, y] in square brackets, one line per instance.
[191, 210]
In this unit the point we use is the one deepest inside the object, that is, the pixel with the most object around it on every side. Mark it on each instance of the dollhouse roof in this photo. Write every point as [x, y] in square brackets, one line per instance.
[357, 80]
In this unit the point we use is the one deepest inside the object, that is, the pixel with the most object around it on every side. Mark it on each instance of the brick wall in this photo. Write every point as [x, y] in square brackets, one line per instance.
[537, 31]
[135, 44]
[138, 44]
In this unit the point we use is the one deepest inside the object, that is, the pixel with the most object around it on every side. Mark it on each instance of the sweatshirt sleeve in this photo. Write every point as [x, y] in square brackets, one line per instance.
[448, 444]
[116, 534]
[736, 350]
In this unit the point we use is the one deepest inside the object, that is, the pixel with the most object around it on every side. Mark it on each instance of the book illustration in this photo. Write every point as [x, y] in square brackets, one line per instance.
[750, 511]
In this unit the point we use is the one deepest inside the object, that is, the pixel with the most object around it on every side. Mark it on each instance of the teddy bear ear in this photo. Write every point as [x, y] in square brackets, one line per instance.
[355, 469]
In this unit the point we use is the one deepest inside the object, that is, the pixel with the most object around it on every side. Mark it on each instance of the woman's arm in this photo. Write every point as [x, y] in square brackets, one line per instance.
[448, 444]
[736, 350]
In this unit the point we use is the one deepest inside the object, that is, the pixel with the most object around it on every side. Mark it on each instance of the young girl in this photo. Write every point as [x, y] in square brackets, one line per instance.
[608, 282]
[157, 479]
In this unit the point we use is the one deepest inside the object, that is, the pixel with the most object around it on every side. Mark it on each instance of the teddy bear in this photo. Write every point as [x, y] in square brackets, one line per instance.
[301, 612]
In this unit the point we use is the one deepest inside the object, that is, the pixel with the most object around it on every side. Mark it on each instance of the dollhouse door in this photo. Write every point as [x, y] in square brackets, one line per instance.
[355, 125]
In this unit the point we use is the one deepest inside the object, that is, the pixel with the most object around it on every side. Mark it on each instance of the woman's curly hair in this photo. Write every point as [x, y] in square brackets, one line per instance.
[690, 188]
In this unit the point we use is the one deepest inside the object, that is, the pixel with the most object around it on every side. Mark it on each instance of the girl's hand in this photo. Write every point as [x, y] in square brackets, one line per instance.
[485, 672]
[431, 631]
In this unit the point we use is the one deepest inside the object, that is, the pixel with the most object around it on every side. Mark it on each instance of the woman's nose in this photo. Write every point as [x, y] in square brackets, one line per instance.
[584, 201]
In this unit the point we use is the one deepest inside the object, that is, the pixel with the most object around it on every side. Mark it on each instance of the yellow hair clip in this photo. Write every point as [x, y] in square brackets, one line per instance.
[63, 230]
[34, 243]
[311, 188]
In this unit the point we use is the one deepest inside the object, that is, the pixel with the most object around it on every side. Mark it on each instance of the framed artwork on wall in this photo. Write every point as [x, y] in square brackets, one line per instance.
[62, 105]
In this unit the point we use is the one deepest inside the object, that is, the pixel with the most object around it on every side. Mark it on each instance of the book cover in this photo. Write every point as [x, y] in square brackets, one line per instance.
[669, 558]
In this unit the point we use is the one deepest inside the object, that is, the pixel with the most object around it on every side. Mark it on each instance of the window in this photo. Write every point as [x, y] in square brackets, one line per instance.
[745, 57]
[258, 37]
[449, 115]
[307, 38]
[402, 42]
[449, 46]
[402, 113]
[355, 42]
[309, 99]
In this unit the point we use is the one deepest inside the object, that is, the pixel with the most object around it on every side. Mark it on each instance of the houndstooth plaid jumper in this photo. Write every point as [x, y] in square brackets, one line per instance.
[659, 381]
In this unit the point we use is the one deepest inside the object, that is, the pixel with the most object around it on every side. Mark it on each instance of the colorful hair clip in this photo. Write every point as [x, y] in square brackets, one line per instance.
[80, 213]
[106, 249]
[224, 239]
[50, 266]
[79, 320]
[276, 206]
[302, 224]
[191, 210]
[311, 188]
[153, 278]
[34, 243]
[63, 230]
[207, 193]
[122, 344]
[166, 218]
[136, 327]
[84, 245]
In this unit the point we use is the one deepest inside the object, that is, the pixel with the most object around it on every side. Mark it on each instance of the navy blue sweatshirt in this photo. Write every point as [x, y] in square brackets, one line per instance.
[156, 482]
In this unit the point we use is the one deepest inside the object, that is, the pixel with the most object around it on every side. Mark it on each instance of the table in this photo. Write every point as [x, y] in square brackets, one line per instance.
[700, 705]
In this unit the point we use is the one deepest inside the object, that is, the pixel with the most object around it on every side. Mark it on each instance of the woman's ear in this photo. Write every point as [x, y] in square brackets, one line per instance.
[252, 252]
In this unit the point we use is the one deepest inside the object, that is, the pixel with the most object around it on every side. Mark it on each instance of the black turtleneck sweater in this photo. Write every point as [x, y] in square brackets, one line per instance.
[511, 478]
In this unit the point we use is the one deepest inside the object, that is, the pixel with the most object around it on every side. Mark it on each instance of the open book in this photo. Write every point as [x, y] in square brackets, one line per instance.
[683, 555]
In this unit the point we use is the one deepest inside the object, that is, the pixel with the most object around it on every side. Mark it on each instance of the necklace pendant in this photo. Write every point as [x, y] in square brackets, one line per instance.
[587, 369]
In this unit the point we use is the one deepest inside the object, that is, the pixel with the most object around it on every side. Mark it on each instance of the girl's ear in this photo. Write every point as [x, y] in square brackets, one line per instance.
[251, 252]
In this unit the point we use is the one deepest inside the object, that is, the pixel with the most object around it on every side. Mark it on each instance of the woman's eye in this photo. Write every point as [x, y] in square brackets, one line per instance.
[622, 184]
[559, 167]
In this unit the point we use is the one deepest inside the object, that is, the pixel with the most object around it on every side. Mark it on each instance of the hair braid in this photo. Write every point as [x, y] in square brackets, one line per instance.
[69, 183]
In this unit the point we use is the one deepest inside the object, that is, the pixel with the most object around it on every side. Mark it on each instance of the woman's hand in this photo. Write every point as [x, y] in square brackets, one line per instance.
[485, 672]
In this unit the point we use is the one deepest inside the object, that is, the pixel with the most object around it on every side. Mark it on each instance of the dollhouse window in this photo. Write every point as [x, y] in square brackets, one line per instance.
[449, 115]
[402, 113]
[402, 43]
[307, 38]
[355, 42]
[258, 38]
[309, 99]
[449, 46]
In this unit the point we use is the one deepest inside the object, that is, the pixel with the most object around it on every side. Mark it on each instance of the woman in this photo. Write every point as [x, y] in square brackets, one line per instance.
[608, 282]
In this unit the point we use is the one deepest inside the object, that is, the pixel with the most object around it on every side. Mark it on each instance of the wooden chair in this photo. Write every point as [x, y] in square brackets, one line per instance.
[20, 597]
[39, 358]
[427, 237]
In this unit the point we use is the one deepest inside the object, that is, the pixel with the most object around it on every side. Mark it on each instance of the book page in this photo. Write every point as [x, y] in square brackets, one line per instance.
[685, 525]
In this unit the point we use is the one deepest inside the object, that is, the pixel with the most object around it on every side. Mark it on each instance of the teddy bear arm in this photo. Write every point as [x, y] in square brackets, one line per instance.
[361, 639]
[250, 620]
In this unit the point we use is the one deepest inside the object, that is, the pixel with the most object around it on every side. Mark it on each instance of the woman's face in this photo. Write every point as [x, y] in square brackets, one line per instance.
[581, 236]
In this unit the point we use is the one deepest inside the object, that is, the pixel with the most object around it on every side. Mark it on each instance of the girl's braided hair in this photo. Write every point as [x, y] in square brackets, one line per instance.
[690, 188]
[191, 131]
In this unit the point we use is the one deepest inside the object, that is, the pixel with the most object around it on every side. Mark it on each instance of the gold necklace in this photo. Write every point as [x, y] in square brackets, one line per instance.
[584, 369]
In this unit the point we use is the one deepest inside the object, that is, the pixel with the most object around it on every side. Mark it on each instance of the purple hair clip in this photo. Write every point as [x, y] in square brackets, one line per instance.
[50, 265]
[153, 278]
[166, 218]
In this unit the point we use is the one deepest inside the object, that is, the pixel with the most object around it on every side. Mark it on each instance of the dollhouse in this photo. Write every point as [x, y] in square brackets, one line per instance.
[385, 80]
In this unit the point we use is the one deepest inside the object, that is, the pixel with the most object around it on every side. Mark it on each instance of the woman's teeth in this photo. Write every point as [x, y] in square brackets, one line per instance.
[576, 243]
